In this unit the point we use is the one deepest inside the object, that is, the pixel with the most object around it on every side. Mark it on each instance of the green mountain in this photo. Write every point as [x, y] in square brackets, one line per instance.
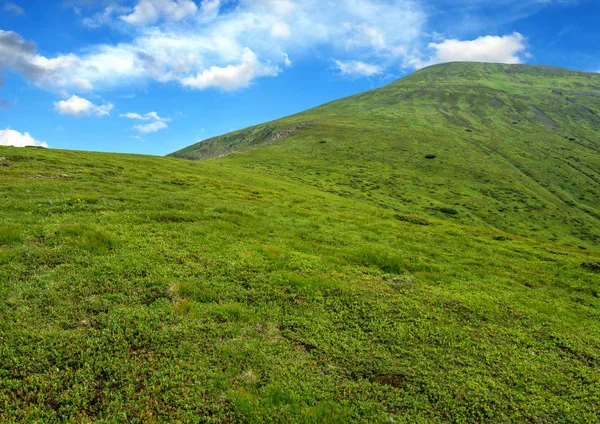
[327, 272]
[516, 148]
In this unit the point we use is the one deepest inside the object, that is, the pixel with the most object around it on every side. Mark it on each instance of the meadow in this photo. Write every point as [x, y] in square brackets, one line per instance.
[144, 289]
[510, 147]
[425, 252]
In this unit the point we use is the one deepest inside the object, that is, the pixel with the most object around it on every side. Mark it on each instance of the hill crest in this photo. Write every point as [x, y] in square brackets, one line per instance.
[516, 147]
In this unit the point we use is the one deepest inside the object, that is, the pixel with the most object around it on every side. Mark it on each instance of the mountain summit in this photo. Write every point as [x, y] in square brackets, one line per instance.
[513, 147]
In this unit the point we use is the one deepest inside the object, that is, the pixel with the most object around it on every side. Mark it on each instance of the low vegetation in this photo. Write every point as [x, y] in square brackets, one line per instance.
[335, 275]
[241, 297]
[512, 147]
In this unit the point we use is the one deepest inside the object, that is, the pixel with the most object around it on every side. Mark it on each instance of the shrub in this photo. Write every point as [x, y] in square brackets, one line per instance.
[180, 182]
[430, 156]
[502, 238]
[448, 211]
[592, 266]
[413, 219]
[172, 216]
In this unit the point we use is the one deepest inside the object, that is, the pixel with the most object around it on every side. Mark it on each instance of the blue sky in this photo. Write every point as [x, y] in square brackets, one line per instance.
[153, 76]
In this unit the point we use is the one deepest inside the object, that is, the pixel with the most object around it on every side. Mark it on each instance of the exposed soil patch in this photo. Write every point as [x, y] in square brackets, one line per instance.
[286, 132]
[545, 119]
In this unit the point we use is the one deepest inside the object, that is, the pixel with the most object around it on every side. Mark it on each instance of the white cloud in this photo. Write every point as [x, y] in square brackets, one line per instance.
[229, 47]
[281, 30]
[232, 77]
[151, 127]
[13, 9]
[150, 11]
[506, 49]
[78, 106]
[210, 8]
[211, 48]
[21, 56]
[365, 36]
[131, 115]
[156, 123]
[357, 68]
[104, 18]
[10, 137]
[150, 116]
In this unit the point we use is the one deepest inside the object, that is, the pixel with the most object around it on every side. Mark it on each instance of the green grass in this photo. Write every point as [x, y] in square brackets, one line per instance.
[145, 289]
[512, 147]
[242, 297]
[9, 235]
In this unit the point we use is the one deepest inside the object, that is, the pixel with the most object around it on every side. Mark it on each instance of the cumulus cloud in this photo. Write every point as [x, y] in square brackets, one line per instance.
[210, 8]
[356, 68]
[225, 47]
[78, 106]
[10, 137]
[232, 77]
[366, 36]
[104, 18]
[150, 11]
[280, 30]
[506, 49]
[21, 56]
[152, 127]
[131, 115]
[155, 122]
[13, 9]
[220, 46]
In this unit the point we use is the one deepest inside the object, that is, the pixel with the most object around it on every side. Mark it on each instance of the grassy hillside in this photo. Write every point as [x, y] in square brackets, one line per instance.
[517, 148]
[326, 272]
[143, 289]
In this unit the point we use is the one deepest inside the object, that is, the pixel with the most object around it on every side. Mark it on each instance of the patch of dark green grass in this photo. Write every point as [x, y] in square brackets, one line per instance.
[9, 235]
[384, 260]
[448, 211]
[592, 266]
[413, 219]
[173, 216]
[88, 238]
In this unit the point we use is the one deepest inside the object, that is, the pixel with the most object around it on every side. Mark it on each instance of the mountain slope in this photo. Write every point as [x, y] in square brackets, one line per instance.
[323, 270]
[517, 148]
[145, 289]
